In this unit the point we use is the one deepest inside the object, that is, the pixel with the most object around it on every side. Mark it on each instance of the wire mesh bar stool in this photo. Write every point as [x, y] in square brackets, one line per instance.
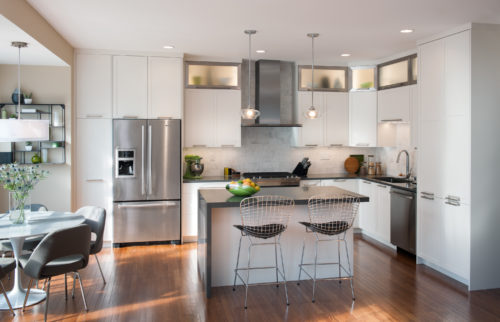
[329, 219]
[263, 218]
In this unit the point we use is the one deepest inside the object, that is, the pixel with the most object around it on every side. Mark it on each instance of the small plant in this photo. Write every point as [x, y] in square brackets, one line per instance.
[28, 95]
[28, 143]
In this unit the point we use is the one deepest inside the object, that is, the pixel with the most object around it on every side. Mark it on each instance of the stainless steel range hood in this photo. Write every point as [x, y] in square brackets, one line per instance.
[274, 94]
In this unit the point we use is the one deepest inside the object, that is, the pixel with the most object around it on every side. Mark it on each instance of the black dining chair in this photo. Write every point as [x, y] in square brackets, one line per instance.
[60, 252]
[7, 265]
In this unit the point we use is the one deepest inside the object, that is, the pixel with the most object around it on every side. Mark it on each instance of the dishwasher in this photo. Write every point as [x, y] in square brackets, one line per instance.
[403, 219]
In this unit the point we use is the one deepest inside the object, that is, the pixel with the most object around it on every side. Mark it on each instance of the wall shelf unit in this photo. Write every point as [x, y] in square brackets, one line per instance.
[53, 150]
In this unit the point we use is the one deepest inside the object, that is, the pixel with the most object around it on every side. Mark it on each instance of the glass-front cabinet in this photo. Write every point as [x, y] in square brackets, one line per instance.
[326, 78]
[363, 78]
[399, 72]
[212, 75]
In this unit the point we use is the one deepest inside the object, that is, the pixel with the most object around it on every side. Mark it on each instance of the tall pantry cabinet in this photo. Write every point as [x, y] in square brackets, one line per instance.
[458, 210]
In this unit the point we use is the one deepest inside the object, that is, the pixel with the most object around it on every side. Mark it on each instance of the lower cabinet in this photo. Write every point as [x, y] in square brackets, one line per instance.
[383, 212]
[367, 215]
[190, 207]
[375, 215]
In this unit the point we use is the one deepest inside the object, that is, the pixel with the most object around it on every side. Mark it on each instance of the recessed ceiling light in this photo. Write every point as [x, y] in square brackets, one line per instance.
[168, 47]
[406, 31]
[260, 51]
[345, 55]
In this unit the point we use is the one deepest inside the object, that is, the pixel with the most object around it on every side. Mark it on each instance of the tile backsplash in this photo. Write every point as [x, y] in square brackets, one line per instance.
[271, 149]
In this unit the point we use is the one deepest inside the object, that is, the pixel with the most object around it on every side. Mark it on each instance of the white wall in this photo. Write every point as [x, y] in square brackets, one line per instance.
[48, 85]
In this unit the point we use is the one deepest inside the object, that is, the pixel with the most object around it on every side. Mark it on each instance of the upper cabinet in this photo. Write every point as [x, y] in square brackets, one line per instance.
[93, 86]
[326, 78]
[399, 72]
[212, 118]
[130, 87]
[212, 75]
[165, 91]
[363, 119]
[394, 104]
[363, 78]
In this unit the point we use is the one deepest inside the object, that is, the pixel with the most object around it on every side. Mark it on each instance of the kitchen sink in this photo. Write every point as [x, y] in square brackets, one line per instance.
[394, 180]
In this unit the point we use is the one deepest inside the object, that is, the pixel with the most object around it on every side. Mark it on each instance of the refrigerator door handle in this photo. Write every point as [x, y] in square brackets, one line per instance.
[143, 187]
[150, 134]
[148, 204]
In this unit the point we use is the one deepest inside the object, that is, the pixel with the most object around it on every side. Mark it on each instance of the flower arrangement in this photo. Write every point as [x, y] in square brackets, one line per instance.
[19, 181]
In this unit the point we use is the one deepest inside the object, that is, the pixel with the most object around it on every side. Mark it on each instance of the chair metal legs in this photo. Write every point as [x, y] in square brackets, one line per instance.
[100, 269]
[7, 299]
[47, 299]
[27, 294]
[315, 264]
[279, 271]
[81, 289]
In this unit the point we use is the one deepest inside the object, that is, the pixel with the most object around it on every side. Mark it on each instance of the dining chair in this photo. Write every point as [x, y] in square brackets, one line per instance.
[7, 265]
[60, 252]
[95, 217]
[330, 217]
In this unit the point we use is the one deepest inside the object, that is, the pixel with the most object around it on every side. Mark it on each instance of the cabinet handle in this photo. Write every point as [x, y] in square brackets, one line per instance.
[452, 203]
[227, 145]
[427, 197]
[94, 115]
[130, 116]
[199, 146]
[312, 145]
[453, 198]
[392, 120]
[367, 182]
[362, 144]
[381, 186]
[427, 193]
[337, 144]
[340, 180]
[95, 180]
[401, 194]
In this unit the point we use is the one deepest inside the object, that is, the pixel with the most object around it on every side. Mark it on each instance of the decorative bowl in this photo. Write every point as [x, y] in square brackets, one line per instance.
[241, 190]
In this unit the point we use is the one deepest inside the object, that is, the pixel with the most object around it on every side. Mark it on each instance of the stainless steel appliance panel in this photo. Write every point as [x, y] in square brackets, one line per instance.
[164, 160]
[130, 135]
[403, 220]
[268, 91]
[146, 221]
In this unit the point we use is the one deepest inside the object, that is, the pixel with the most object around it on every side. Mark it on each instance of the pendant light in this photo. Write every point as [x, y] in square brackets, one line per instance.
[312, 112]
[249, 113]
[18, 130]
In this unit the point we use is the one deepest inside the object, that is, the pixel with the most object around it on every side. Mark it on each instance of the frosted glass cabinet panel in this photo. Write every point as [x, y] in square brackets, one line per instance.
[414, 69]
[212, 75]
[326, 78]
[363, 78]
[393, 74]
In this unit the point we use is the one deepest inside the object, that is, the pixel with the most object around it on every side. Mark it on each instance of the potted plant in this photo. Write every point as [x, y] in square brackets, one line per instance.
[28, 146]
[28, 98]
[20, 181]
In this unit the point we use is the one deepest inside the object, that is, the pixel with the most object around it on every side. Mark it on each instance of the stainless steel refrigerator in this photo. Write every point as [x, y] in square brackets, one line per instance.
[146, 181]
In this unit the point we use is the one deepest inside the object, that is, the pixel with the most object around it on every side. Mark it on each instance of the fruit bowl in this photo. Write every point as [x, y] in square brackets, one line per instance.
[242, 188]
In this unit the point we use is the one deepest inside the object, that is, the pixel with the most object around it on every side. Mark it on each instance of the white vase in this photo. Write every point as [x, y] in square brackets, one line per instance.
[28, 147]
[28, 100]
[19, 207]
[44, 156]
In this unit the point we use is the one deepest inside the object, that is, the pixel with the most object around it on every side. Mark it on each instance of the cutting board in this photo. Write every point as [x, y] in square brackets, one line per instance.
[351, 165]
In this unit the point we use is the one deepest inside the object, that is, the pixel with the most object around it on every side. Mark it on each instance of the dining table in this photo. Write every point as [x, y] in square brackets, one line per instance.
[37, 223]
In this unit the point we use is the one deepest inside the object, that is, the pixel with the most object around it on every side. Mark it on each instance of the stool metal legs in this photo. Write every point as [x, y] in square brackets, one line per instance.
[315, 264]
[279, 271]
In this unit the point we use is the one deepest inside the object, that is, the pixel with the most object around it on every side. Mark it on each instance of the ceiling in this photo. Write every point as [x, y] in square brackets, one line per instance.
[368, 30]
[34, 54]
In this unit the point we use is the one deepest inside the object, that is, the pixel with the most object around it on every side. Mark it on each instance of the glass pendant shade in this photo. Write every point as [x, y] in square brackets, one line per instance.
[250, 113]
[16, 130]
[312, 113]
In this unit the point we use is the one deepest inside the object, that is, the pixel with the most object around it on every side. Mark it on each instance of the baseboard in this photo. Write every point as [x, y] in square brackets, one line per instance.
[189, 239]
[374, 237]
[422, 261]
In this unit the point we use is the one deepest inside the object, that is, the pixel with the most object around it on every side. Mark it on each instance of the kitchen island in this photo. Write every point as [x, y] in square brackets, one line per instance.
[218, 211]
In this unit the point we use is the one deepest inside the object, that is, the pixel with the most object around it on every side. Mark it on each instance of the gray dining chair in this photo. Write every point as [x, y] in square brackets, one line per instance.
[95, 217]
[60, 252]
[7, 265]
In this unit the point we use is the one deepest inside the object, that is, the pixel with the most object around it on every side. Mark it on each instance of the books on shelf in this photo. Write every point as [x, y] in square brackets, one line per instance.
[29, 110]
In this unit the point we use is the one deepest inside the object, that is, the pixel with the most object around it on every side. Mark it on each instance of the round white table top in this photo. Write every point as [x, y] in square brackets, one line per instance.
[38, 223]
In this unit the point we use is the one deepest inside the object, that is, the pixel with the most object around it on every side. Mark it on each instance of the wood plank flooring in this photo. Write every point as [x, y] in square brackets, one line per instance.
[160, 283]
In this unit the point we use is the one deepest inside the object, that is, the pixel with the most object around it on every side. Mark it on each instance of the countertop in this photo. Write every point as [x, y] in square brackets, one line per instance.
[405, 186]
[220, 198]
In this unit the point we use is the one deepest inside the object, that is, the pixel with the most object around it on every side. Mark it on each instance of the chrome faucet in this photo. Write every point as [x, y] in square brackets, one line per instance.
[407, 162]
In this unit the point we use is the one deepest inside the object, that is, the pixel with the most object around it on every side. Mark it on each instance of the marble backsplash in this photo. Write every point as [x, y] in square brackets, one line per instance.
[271, 149]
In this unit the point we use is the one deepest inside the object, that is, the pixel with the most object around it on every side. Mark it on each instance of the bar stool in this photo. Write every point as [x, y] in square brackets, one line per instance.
[262, 218]
[329, 219]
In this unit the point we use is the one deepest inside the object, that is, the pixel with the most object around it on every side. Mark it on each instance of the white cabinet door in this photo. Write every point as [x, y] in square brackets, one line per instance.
[431, 157]
[165, 87]
[431, 230]
[394, 104]
[93, 86]
[311, 132]
[431, 77]
[228, 119]
[199, 116]
[336, 109]
[383, 212]
[367, 210]
[94, 162]
[363, 119]
[130, 87]
[414, 116]
[457, 74]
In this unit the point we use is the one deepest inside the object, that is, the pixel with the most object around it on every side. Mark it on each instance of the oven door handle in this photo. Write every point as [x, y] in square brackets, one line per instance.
[401, 194]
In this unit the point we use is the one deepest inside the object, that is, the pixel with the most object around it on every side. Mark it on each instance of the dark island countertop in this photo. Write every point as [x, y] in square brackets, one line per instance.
[220, 198]
[328, 176]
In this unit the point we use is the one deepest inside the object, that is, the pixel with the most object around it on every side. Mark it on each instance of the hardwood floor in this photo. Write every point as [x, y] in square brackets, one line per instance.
[160, 283]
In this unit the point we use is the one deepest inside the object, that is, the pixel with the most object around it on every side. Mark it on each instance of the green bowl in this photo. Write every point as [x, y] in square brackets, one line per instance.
[241, 191]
